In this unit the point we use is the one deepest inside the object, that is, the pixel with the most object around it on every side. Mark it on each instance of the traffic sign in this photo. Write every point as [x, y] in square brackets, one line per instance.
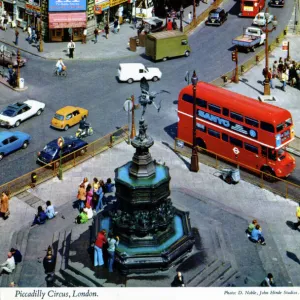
[236, 151]
[285, 45]
[60, 142]
[128, 105]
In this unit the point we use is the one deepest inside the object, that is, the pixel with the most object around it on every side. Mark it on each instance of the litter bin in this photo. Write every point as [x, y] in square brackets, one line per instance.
[21, 83]
[142, 39]
[132, 44]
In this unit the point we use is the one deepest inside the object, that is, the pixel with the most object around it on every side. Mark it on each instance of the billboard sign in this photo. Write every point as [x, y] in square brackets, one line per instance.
[67, 5]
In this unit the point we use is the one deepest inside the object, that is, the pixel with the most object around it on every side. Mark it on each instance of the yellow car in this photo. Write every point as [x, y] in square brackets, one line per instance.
[68, 116]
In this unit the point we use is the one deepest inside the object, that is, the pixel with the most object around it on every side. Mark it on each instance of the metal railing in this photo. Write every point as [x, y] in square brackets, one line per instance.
[264, 180]
[49, 171]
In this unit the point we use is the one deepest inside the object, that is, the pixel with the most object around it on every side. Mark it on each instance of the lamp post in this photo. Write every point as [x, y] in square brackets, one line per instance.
[18, 70]
[41, 45]
[60, 143]
[194, 158]
[194, 12]
[134, 107]
[266, 73]
[166, 9]
[181, 15]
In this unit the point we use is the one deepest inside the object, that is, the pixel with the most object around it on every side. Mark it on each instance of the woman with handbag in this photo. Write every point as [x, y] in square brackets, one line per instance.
[81, 196]
[4, 205]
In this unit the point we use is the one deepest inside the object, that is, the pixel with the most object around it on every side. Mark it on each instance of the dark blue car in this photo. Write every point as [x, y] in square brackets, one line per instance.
[12, 141]
[51, 151]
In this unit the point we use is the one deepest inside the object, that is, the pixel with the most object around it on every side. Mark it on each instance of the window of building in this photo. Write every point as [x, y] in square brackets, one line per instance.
[236, 142]
[214, 108]
[251, 122]
[251, 148]
[224, 137]
[225, 111]
[214, 133]
[236, 116]
[266, 126]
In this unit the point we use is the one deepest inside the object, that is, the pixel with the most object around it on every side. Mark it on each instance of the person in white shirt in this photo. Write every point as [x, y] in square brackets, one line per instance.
[71, 48]
[84, 36]
[59, 65]
[50, 211]
[9, 265]
[190, 17]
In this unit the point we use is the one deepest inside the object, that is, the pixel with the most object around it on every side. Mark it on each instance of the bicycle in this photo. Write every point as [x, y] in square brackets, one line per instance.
[63, 73]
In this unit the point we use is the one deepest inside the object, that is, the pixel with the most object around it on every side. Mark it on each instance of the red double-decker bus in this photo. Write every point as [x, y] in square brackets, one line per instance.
[250, 8]
[227, 120]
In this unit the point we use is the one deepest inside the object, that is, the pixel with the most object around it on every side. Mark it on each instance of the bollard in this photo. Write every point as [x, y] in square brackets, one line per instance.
[277, 40]
[225, 78]
[257, 59]
[242, 69]
[33, 179]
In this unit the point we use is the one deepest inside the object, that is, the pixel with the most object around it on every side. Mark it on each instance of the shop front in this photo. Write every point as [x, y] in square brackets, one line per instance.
[118, 9]
[101, 9]
[33, 13]
[66, 26]
[8, 8]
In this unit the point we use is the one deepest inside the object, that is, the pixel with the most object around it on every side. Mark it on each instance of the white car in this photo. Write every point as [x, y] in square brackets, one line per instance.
[260, 19]
[14, 114]
[135, 72]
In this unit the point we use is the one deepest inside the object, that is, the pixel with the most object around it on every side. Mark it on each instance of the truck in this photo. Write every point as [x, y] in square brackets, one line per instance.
[252, 37]
[167, 44]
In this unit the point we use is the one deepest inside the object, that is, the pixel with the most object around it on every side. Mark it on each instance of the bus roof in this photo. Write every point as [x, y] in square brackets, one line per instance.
[238, 103]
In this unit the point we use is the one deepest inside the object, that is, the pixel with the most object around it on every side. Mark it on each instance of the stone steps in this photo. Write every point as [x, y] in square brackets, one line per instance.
[76, 279]
[31, 199]
[19, 241]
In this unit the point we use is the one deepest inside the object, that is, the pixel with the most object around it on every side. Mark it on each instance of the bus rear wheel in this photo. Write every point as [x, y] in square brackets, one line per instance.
[268, 175]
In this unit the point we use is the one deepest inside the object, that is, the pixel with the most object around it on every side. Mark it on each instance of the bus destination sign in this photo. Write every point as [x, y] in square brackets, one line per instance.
[227, 124]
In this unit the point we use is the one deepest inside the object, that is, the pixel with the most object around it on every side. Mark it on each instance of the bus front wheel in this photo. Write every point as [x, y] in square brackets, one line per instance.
[268, 174]
[201, 144]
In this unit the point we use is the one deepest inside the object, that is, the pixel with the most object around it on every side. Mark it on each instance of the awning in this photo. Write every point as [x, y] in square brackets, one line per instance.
[116, 2]
[67, 20]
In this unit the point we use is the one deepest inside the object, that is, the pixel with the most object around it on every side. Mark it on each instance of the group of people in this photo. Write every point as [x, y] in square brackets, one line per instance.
[4, 22]
[287, 71]
[97, 31]
[14, 257]
[43, 215]
[254, 233]
[33, 35]
[109, 243]
[90, 197]
[172, 25]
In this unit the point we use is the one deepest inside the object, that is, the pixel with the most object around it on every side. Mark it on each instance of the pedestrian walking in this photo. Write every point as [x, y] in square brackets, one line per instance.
[174, 24]
[71, 47]
[112, 244]
[85, 181]
[270, 76]
[95, 189]
[275, 68]
[49, 261]
[284, 79]
[169, 25]
[29, 33]
[178, 280]
[84, 34]
[134, 22]
[116, 23]
[17, 36]
[50, 211]
[17, 255]
[256, 235]
[96, 33]
[100, 194]
[190, 17]
[89, 194]
[9, 265]
[4, 205]
[98, 253]
[81, 196]
[5, 22]
[40, 218]
[296, 225]
[268, 281]
[106, 29]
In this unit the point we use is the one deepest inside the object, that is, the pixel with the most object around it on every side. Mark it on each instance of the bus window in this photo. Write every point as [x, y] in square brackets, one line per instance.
[251, 122]
[251, 148]
[264, 151]
[187, 98]
[224, 137]
[272, 154]
[236, 116]
[281, 154]
[289, 122]
[214, 133]
[201, 103]
[236, 142]
[214, 108]
[280, 127]
[225, 111]
[266, 126]
[201, 127]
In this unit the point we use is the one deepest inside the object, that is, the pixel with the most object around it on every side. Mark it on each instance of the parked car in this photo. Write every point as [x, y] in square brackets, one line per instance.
[12, 141]
[216, 17]
[260, 19]
[68, 116]
[135, 72]
[51, 152]
[14, 114]
[10, 58]
[277, 3]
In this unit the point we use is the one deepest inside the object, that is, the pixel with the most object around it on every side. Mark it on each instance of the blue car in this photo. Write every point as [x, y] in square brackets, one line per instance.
[12, 141]
[51, 151]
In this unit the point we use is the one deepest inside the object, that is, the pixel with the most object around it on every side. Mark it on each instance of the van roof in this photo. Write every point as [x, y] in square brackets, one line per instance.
[130, 65]
[167, 34]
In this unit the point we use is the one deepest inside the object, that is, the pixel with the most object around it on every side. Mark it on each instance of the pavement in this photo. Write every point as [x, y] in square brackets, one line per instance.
[117, 45]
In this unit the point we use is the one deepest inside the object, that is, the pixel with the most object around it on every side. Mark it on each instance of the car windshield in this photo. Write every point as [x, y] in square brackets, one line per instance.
[59, 117]
[50, 150]
[214, 15]
[8, 112]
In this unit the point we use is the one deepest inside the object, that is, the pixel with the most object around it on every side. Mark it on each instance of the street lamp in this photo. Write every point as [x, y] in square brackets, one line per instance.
[266, 73]
[41, 46]
[194, 12]
[194, 158]
[18, 70]
[166, 9]
[181, 15]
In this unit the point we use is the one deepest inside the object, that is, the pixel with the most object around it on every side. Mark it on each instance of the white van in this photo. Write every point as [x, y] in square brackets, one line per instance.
[135, 72]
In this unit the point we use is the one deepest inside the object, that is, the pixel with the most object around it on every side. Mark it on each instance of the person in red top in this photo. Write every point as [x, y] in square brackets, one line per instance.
[98, 253]
[169, 25]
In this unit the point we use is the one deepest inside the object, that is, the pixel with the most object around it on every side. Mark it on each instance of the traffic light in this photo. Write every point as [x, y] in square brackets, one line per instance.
[233, 55]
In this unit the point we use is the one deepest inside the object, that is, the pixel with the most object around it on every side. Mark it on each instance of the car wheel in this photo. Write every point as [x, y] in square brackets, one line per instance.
[66, 127]
[187, 53]
[164, 59]
[17, 124]
[39, 112]
[25, 145]
[1, 156]
[130, 80]
[155, 78]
